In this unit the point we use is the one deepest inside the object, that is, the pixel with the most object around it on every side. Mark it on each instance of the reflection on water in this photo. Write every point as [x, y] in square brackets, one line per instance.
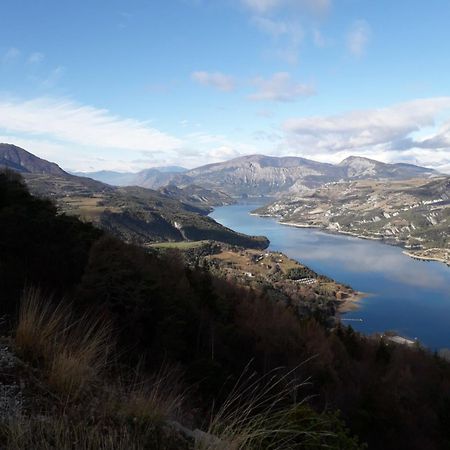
[409, 296]
[369, 256]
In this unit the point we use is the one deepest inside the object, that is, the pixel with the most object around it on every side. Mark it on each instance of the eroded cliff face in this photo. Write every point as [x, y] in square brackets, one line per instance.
[259, 175]
[413, 213]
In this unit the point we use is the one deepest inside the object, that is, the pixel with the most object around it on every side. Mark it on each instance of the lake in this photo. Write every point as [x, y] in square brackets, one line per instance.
[408, 296]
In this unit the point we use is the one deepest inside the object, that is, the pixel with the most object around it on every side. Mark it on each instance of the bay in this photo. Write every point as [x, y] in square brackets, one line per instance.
[408, 296]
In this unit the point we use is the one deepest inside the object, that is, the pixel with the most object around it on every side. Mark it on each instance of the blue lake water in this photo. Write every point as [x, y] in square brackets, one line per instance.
[408, 296]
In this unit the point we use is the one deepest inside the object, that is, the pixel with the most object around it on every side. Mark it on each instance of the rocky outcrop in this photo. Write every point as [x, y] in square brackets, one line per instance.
[19, 160]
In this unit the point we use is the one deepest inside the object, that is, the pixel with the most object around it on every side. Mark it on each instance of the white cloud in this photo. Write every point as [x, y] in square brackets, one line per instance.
[369, 127]
[67, 121]
[386, 134]
[358, 37]
[217, 80]
[223, 152]
[205, 148]
[280, 88]
[284, 21]
[441, 139]
[84, 138]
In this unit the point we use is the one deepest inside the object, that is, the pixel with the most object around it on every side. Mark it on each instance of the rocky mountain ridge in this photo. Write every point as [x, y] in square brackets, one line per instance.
[259, 175]
[19, 160]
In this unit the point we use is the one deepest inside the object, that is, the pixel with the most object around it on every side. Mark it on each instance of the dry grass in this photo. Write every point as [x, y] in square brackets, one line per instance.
[260, 413]
[40, 323]
[153, 400]
[58, 433]
[73, 352]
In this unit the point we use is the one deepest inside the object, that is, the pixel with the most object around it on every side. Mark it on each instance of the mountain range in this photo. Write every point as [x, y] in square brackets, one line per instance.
[259, 175]
[178, 209]
[151, 178]
[135, 214]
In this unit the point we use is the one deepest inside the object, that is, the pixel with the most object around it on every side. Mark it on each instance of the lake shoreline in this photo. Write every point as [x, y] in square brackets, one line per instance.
[359, 236]
[393, 291]
[351, 303]
[426, 258]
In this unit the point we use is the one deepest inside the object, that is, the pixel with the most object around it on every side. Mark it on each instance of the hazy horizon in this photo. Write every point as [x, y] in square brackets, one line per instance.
[218, 162]
[181, 169]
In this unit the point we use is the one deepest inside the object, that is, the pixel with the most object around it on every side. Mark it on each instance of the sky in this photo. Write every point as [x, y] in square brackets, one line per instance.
[130, 84]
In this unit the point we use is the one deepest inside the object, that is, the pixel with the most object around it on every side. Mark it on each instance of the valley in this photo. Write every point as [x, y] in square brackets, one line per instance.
[224, 225]
[297, 291]
[138, 215]
[134, 214]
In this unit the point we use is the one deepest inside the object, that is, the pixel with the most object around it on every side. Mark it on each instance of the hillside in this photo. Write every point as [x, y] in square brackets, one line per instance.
[413, 213]
[197, 195]
[148, 353]
[19, 160]
[364, 168]
[134, 214]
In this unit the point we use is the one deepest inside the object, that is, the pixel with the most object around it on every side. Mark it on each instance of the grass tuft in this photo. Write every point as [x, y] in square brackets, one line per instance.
[58, 433]
[73, 352]
[39, 324]
[154, 399]
[263, 413]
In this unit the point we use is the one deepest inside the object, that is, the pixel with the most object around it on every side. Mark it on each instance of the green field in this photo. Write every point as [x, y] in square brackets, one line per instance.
[183, 245]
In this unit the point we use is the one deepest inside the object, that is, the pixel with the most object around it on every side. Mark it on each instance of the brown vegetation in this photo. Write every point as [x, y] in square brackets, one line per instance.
[74, 352]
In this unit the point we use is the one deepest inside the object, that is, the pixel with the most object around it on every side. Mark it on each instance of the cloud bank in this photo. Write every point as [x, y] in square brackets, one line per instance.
[394, 133]
[68, 121]
[87, 138]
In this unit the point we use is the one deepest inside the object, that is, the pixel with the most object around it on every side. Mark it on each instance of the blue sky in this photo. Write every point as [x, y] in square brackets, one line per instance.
[125, 85]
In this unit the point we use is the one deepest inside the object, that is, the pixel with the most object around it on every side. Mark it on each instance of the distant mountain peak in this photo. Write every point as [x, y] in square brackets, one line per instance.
[362, 167]
[20, 160]
[359, 159]
[254, 175]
